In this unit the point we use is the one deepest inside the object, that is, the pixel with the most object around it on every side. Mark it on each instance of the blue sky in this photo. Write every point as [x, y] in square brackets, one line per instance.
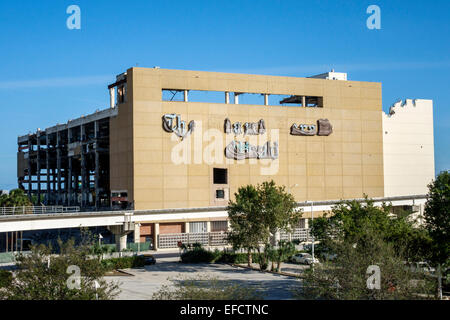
[50, 74]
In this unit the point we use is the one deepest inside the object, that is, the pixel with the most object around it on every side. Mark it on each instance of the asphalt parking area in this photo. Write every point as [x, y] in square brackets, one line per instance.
[148, 280]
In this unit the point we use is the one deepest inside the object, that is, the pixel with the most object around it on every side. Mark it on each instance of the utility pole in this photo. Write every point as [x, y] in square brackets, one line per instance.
[439, 270]
[312, 220]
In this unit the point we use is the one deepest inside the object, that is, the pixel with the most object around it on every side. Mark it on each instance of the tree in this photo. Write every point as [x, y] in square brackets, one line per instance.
[16, 198]
[42, 275]
[277, 208]
[359, 235]
[205, 287]
[258, 214]
[347, 278]
[247, 229]
[351, 221]
[285, 250]
[437, 221]
[437, 217]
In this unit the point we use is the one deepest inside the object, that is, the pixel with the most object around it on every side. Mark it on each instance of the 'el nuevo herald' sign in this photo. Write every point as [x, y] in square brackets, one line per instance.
[323, 128]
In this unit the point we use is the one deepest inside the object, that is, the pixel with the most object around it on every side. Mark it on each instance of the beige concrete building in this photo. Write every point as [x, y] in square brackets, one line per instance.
[175, 139]
[345, 164]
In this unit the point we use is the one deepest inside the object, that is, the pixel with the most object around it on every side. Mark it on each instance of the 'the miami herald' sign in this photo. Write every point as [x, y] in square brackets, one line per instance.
[173, 123]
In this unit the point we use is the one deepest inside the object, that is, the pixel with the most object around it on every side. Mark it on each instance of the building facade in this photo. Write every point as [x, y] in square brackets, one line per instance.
[190, 139]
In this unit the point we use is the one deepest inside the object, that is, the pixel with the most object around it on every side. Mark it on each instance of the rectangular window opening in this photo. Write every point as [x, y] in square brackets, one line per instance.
[220, 194]
[248, 98]
[172, 95]
[220, 176]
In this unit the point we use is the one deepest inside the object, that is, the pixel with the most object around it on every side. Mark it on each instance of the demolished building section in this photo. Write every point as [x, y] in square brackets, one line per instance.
[67, 164]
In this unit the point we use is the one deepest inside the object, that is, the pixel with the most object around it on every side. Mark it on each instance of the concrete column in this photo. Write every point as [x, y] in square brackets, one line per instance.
[47, 167]
[277, 238]
[83, 168]
[137, 232]
[69, 176]
[186, 95]
[155, 243]
[29, 168]
[186, 227]
[306, 223]
[121, 241]
[58, 165]
[112, 97]
[38, 159]
[208, 226]
[303, 101]
[266, 99]
[76, 188]
[227, 97]
[236, 97]
[97, 167]
[120, 235]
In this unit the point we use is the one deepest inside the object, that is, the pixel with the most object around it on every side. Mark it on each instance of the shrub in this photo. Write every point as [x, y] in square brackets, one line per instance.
[197, 255]
[5, 278]
[123, 263]
[238, 258]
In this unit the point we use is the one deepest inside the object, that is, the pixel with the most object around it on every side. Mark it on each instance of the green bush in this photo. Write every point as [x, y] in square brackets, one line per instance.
[5, 278]
[198, 255]
[6, 257]
[238, 258]
[227, 257]
[123, 263]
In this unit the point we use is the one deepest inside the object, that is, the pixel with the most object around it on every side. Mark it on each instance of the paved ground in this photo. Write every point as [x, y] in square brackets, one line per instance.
[293, 268]
[148, 280]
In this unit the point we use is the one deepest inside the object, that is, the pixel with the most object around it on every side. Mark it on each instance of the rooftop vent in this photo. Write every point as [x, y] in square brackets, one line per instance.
[332, 75]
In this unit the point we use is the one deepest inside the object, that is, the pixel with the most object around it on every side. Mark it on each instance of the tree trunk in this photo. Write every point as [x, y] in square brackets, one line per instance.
[279, 266]
[249, 257]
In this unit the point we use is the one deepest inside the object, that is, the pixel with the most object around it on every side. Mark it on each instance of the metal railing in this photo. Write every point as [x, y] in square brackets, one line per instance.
[301, 234]
[37, 210]
[170, 240]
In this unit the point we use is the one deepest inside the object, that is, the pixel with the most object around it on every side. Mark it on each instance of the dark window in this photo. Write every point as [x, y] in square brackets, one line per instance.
[220, 176]
[220, 194]
[121, 94]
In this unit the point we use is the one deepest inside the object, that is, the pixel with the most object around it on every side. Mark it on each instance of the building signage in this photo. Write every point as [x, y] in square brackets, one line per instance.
[240, 150]
[322, 128]
[249, 128]
[173, 123]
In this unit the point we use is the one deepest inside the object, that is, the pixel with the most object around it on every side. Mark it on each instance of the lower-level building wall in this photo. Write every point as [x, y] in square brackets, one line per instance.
[172, 227]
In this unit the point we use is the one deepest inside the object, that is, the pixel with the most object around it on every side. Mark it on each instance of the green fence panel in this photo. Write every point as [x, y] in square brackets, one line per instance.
[143, 246]
[6, 257]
